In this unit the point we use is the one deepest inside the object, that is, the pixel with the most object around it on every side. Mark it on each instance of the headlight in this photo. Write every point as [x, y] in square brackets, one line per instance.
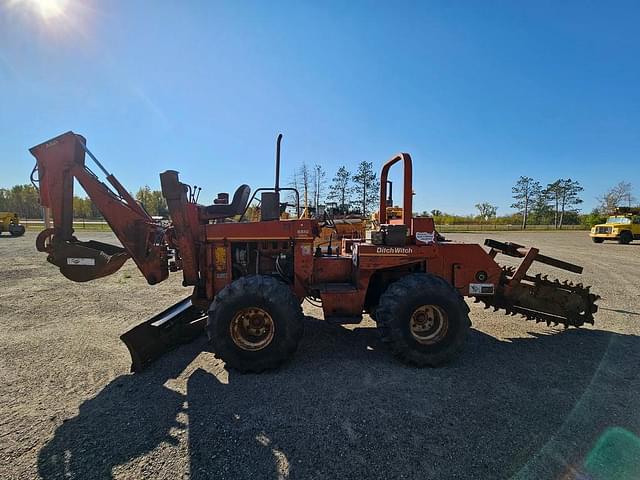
[593, 230]
[615, 230]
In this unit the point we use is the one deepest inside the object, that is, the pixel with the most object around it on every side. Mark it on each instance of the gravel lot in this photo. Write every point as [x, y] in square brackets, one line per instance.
[523, 401]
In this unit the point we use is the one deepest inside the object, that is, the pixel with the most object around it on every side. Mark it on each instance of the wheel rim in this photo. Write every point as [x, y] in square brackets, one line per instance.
[252, 329]
[428, 324]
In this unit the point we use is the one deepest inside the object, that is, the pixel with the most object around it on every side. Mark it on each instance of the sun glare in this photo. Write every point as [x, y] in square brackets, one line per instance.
[46, 9]
[49, 9]
[53, 19]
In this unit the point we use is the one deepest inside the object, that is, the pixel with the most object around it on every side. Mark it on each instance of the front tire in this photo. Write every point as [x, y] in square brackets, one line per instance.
[597, 239]
[423, 319]
[255, 324]
[625, 237]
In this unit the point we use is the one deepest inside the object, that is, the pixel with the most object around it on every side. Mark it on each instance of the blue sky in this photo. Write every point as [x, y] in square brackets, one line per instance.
[478, 92]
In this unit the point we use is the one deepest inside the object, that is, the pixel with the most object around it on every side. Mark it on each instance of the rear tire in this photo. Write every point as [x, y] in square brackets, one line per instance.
[625, 237]
[597, 240]
[423, 319]
[16, 230]
[255, 324]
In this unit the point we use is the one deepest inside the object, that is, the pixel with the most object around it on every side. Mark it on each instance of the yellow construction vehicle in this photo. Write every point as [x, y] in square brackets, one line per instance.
[623, 226]
[9, 222]
[393, 211]
[334, 230]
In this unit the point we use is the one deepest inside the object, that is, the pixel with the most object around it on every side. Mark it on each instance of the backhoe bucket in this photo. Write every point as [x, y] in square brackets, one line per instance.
[177, 325]
[82, 261]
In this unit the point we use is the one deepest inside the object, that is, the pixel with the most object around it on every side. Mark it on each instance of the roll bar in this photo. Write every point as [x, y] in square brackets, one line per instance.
[407, 194]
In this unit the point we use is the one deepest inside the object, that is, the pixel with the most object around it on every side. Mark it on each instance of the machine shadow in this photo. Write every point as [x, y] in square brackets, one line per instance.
[129, 417]
[344, 408]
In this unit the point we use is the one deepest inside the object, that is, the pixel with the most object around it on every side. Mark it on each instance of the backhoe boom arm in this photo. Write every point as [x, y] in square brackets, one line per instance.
[60, 161]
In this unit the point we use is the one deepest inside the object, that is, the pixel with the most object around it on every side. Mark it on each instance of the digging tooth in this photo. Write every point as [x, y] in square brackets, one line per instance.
[575, 320]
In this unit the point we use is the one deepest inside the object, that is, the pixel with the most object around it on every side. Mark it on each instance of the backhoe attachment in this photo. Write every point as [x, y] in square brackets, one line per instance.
[61, 161]
[536, 297]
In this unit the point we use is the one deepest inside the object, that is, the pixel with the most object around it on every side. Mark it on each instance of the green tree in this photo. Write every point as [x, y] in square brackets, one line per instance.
[21, 199]
[564, 195]
[301, 181]
[540, 211]
[525, 189]
[593, 218]
[152, 201]
[340, 190]
[486, 210]
[617, 196]
[79, 207]
[569, 199]
[318, 185]
[83, 207]
[4, 199]
[553, 192]
[366, 187]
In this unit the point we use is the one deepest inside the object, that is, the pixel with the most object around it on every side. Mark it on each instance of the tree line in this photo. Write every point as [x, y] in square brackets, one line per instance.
[546, 205]
[555, 204]
[349, 192]
[558, 203]
[24, 200]
[357, 192]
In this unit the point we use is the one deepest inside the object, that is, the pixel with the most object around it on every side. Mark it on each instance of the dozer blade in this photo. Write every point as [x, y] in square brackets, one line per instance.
[177, 325]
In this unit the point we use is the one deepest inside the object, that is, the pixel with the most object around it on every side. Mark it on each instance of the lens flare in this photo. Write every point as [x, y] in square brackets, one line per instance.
[49, 9]
[58, 20]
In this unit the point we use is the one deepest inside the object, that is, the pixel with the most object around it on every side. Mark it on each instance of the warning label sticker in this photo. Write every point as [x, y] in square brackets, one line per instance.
[425, 237]
[481, 289]
[80, 261]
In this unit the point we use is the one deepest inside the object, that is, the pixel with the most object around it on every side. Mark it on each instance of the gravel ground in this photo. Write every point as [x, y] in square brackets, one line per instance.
[523, 400]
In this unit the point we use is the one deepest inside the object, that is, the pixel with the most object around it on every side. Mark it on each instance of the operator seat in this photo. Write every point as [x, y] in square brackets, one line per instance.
[237, 206]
